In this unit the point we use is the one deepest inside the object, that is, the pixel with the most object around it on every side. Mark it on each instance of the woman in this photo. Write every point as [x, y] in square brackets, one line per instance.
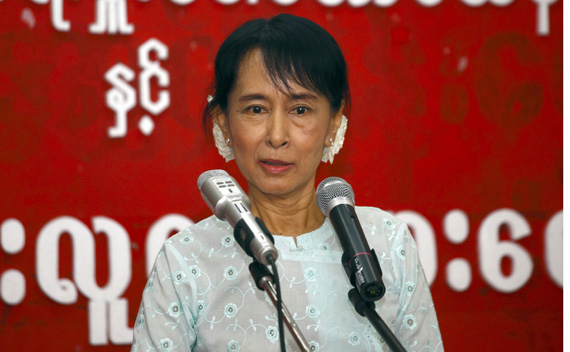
[279, 94]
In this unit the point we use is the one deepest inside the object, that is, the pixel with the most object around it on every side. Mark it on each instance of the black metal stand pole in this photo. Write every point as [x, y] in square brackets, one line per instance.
[366, 309]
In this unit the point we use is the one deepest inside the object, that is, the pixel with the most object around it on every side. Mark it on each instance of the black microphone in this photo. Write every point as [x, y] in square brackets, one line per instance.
[229, 202]
[335, 198]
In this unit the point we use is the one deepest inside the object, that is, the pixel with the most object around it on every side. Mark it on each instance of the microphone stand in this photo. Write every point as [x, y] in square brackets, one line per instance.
[366, 307]
[264, 281]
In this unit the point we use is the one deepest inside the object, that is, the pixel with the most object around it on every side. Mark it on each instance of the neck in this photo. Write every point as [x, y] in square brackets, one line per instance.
[287, 215]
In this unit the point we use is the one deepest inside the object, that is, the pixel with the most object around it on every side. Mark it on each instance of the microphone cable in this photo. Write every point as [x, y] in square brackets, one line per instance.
[279, 302]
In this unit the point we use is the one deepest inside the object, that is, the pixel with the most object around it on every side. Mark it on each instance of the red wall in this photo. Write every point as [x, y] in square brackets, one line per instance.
[456, 126]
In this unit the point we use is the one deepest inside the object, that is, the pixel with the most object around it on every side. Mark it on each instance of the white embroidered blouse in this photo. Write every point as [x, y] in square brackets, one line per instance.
[200, 295]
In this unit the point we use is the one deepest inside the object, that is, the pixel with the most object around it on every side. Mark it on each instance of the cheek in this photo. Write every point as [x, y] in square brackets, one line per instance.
[311, 143]
[313, 136]
[246, 139]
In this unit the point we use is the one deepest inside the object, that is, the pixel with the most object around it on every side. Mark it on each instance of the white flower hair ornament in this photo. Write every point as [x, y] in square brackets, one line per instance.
[223, 148]
[330, 152]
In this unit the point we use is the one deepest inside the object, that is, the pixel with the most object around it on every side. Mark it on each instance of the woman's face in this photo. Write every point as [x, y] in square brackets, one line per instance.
[277, 136]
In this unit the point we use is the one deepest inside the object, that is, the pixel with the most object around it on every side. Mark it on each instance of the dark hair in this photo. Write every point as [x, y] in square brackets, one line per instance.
[294, 49]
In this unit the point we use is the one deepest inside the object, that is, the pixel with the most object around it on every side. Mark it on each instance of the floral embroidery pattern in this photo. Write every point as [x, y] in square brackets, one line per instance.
[230, 310]
[140, 321]
[174, 310]
[166, 344]
[178, 277]
[314, 346]
[312, 311]
[410, 321]
[389, 224]
[401, 252]
[233, 346]
[272, 334]
[195, 271]
[228, 241]
[409, 288]
[149, 284]
[187, 239]
[324, 246]
[201, 306]
[310, 274]
[230, 273]
[354, 339]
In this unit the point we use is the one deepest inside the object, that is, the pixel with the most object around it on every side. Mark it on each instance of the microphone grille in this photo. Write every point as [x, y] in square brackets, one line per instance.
[209, 174]
[331, 188]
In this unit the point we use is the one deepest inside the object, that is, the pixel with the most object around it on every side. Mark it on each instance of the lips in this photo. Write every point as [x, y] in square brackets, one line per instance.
[275, 166]
[275, 162]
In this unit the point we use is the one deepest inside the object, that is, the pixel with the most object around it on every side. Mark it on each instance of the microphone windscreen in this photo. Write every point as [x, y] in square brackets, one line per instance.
[333, 188]
[209, 174]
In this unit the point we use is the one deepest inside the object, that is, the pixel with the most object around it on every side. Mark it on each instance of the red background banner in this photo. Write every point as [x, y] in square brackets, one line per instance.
[456, 126]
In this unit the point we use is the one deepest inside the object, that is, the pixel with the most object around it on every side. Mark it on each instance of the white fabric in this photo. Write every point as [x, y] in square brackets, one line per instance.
[201, 297]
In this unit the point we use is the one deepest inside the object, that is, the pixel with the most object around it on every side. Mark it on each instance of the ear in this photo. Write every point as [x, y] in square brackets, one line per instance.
[334, 125]
[221, 119]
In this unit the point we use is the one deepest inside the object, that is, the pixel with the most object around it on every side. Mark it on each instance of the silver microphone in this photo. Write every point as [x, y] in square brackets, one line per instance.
[229, 202]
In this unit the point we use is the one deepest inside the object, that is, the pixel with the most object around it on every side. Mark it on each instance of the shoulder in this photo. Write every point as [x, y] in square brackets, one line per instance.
[203, 234]
[202, 229]
[207, 241]
[378, 216]
[383, 228]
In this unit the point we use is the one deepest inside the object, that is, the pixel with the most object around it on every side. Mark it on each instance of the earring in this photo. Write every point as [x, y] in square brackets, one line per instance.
[228, 141]
[336, 145]
[223, 148]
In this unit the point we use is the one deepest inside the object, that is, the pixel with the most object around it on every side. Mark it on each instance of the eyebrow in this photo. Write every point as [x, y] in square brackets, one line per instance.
[303, 96]
[258, 96]
[255, 96]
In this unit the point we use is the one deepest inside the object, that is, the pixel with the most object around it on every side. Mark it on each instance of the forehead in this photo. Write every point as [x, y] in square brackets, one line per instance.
[254, 76]
[251, 69]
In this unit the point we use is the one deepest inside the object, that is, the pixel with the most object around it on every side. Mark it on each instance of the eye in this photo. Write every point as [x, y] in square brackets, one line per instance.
[256, 109]
[300, 110]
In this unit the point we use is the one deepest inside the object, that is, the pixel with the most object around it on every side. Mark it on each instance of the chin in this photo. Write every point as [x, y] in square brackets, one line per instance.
[280, 187]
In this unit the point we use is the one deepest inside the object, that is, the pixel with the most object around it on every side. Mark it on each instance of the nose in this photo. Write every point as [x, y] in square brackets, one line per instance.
[277, 130]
